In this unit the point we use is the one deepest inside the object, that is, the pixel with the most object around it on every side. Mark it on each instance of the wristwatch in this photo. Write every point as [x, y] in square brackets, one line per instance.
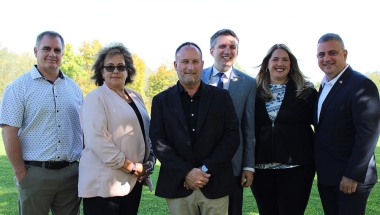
[133, 170]
[204, 169]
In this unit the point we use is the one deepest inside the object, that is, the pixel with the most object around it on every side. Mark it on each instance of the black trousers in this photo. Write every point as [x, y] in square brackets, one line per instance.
[336, 202]
[118, 205]
[235, 203]
[283, 191]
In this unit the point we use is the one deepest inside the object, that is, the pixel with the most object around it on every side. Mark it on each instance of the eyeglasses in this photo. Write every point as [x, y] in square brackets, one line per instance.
[119, 68]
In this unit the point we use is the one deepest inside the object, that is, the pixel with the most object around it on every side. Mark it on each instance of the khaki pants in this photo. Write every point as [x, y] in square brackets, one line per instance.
[198, 204]
[43, 189]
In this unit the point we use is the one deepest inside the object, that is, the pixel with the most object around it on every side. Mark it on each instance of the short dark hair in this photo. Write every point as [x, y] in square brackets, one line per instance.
[113, 49]
[225, 32]
[50, 34]
[187, 44]
[331, 36]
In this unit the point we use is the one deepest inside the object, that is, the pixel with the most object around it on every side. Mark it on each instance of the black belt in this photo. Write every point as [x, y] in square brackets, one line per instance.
[49, 164]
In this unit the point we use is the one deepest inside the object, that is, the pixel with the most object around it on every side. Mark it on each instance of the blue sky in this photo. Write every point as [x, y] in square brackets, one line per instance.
[154, 29]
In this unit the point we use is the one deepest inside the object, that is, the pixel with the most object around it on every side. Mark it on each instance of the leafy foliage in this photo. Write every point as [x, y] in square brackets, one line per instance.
[164, 77]
[139, 80]
[13, 65]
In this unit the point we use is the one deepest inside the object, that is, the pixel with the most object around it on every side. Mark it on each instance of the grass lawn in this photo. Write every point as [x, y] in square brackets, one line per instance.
[150, 204]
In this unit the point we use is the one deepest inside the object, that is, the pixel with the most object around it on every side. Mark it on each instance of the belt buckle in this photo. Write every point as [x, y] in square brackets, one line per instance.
[48, 165]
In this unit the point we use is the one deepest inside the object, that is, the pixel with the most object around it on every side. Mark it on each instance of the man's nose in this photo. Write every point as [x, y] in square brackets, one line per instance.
[190, 66]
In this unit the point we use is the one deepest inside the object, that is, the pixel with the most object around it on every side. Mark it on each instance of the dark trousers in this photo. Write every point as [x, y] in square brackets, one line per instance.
[283, 191]
[335, 202]
[235, 204]
[118, 205]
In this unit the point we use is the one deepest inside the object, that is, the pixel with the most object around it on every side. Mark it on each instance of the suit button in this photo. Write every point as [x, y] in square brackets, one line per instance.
[188, 143]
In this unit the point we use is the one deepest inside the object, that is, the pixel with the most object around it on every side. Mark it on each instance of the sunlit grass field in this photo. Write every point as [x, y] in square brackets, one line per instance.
[150, 204]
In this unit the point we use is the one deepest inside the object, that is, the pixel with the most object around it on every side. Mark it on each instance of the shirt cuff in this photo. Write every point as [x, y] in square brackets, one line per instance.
[249, 168]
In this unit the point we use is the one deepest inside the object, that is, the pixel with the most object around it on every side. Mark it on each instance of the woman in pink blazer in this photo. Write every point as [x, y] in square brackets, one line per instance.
[117, 159]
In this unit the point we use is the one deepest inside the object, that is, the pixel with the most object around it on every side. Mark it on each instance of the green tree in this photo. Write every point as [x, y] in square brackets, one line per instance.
[72, 63]
[88, 51]
[139, 80]
[13, 65]
[375, 77]
[164, 77]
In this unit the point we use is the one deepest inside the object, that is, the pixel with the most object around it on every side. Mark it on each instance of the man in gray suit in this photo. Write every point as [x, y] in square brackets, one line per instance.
[224, 48]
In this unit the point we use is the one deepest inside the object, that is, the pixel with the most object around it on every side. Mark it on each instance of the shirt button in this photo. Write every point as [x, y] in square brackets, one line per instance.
[188, 143]
[193, 129]
[192, 114]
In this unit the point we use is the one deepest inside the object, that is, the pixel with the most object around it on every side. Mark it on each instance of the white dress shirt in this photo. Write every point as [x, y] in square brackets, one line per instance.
[327, 86]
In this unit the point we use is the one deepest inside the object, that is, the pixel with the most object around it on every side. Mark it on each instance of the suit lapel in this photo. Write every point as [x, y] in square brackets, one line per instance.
[204, 105]
[175, 104]
[234, 81]
[339, 84]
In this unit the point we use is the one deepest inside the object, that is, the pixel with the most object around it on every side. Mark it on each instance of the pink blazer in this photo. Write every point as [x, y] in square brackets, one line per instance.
[111, 133]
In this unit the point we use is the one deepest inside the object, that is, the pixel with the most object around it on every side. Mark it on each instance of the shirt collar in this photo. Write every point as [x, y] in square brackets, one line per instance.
[226, 73]
[37, 74]
[333, 81]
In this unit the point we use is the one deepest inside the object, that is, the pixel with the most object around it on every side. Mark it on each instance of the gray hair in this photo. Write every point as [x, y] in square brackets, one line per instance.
[50, 34]
[331, 36]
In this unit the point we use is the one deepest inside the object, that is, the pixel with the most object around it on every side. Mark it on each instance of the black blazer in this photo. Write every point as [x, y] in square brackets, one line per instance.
[348, 130]
[290, 140]
[217, 139]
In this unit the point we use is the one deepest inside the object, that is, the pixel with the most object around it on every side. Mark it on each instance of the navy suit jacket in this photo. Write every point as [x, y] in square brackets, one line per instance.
[348, 130]
[217, 139]
[242, 89]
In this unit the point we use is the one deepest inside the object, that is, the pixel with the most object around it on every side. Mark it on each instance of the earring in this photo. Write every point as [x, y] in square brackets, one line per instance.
[103, 77]
[266, 70]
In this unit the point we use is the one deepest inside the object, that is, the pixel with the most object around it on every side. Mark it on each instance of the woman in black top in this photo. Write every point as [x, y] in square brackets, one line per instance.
[284, 170]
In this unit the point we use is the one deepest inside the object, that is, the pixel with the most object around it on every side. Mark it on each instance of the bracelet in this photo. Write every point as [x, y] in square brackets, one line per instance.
[133, 170]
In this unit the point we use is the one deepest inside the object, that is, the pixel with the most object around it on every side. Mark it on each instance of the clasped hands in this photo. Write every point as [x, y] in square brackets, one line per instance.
[196, 179]
[143, 170]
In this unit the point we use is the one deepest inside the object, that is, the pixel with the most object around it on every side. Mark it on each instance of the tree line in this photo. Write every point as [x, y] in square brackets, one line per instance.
[77, 65]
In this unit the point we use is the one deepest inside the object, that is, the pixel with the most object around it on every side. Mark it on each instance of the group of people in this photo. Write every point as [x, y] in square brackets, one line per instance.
[215, 132]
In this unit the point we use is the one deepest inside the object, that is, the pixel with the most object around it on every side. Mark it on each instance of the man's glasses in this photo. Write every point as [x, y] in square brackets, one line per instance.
[119, 68]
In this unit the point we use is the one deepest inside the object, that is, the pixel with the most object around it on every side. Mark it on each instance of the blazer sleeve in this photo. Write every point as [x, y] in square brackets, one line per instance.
[248, 129]
[366, 120]
[98, 140]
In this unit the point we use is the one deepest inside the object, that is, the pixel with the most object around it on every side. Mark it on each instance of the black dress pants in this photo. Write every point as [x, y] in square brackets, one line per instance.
[283, 191]
[118, 205]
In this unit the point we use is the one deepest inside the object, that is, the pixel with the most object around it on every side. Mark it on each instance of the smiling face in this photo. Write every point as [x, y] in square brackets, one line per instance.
[331, 58]
[116, 79]
[49, 56]
[189, 65]
[224, 52]
[279, 66]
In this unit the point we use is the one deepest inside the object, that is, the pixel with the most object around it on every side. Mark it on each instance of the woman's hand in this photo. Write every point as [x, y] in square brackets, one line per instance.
[148, 169]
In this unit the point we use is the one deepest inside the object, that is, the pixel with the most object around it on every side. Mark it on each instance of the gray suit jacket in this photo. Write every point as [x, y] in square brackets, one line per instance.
[242, 89]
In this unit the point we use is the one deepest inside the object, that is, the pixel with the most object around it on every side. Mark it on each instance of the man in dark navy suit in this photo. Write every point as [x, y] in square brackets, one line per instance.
[347, 116]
